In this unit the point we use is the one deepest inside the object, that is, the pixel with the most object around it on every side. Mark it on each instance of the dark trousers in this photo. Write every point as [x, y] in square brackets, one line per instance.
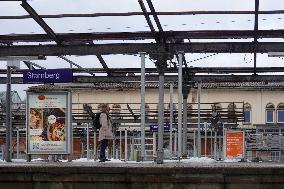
[104, 144]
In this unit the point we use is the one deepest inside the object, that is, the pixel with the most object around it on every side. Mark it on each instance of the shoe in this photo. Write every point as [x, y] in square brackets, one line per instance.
[102, 160]
[107, 159]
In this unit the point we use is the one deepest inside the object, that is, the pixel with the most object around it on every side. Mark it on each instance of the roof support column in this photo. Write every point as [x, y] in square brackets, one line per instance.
[161, 65]
[8, 117]
[142, 109]
[179, 104]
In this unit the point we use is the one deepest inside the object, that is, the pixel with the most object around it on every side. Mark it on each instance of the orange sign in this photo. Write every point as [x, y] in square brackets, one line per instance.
[234, 144]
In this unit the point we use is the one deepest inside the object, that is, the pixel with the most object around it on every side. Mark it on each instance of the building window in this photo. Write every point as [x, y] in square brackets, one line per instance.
[280, 113]
[247, 113]
[270, 113]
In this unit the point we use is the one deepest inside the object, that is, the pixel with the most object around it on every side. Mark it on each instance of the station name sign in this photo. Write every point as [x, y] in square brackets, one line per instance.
[154, 127]
[48, 76]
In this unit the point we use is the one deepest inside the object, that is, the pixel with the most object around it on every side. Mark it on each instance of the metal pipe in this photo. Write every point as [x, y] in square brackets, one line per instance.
[70, 134]
[179, 103]
[95, 144]
[205, 141]
[154, 145]
[8, 116]
[175, 143]
[168, 13]
[88, 142]
[211, 143]
[142, 54]
[171, 117]
[184, 129]
[120, 144]
[198, 130]
[113, 148]
[125, 145]
[18, 141]
[215, 145]
[160, 151]
[194, 144]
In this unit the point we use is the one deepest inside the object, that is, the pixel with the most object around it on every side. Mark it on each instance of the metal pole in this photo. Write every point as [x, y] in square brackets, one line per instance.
[70, 134]
[179, 104]
[125, 145]
[18, 141]
[154, 145]
[8, 117]
[160, 151]
[142, 105]
[120, 144]
[280, 144]
[113, 148]
[205, 141]
[171, 117]
[194, 144]
[175, 143]
[88, 145]
[184, 133]
[211, 143]
[95, 144]
[215, 145]
[223, 142]
[198, 135]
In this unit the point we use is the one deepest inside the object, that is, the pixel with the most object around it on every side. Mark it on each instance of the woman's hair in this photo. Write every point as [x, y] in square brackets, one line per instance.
[104, 107]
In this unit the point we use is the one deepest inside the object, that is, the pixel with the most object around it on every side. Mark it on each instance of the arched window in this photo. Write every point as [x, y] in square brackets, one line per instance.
[280, 113]
[270, 113]
[247, 113]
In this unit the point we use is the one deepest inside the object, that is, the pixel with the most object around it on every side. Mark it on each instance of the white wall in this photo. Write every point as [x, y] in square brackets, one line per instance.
[258, 99]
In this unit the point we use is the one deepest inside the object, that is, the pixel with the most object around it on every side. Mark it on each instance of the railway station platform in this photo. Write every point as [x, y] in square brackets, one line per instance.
[143, 175]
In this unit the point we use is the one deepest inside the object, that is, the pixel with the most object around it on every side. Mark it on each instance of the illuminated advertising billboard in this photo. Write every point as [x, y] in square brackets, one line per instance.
[234, 143]
[48, 123]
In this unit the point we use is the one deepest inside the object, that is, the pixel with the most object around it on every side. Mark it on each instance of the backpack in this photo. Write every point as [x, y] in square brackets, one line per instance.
[96, 121]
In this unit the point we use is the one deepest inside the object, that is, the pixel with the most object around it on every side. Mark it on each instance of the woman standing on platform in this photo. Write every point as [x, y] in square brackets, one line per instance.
[105, 132]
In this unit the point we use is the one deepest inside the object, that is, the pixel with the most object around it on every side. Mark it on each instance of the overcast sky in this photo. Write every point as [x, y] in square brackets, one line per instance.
[138, 23]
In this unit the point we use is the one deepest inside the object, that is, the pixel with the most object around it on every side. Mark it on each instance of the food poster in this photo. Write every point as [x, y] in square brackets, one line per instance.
[235, 144]
[47, 123]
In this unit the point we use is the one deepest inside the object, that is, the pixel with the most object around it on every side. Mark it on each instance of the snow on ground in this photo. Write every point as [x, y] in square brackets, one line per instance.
[19, 160]
[38, 159]
[198, 160]
[231, 160]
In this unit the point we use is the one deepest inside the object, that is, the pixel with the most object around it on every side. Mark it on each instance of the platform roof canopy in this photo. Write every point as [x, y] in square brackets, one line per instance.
[102, 38]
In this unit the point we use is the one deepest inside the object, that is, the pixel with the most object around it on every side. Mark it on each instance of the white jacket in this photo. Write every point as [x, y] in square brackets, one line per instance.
[105, 131]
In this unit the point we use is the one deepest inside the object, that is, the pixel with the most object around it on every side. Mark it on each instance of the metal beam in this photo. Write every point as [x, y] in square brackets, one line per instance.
[103, 63]
[30, 66]
[202, 34]
[139, 14]
[134, 80]
[147, 17]
[73, 63]
[33, 65]
[153, 11]
[135, 48]
[193, 70]
[255, 33]
[40, 21]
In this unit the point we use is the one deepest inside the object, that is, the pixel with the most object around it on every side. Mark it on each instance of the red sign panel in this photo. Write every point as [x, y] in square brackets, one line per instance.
[234, 144]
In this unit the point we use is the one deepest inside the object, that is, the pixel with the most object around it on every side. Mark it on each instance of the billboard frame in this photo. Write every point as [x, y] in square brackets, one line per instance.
[67, 126]
[243, 144]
